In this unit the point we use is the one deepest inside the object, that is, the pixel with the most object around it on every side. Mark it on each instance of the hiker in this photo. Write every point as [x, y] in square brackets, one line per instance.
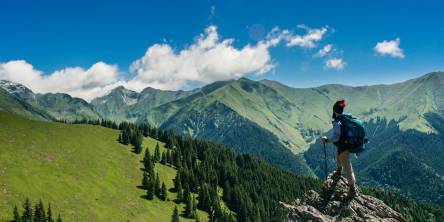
[343, 151]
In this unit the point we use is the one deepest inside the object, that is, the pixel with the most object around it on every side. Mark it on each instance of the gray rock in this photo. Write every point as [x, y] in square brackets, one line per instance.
[335, 204]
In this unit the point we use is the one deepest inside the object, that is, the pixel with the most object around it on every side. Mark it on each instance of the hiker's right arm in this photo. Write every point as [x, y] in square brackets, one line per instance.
[336, 132]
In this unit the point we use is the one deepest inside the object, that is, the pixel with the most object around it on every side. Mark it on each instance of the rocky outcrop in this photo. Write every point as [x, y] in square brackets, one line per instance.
[335, 204]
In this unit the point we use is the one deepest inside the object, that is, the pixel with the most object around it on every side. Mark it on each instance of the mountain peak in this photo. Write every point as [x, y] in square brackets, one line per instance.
[334, 204]
[16, 89]
[119, 88]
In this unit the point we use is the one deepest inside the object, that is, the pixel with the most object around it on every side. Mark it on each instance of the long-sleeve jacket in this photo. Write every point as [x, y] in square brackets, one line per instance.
[335, 135]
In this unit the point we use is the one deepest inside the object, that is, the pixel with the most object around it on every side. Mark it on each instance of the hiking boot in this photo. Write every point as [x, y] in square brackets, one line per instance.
[337, 173]
[353, 191]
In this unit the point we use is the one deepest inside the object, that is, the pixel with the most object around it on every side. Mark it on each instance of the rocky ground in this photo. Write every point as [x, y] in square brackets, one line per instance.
[335, 204]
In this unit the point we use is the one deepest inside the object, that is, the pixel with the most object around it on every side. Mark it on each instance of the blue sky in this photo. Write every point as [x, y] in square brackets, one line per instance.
[54, 35]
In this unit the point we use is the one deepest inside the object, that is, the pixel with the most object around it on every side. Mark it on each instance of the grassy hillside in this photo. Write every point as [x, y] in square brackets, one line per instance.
[81, 169]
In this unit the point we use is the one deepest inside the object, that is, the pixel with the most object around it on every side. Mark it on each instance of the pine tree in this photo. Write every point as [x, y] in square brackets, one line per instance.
[150, 190]
[148, 163]
[157, 188]
[163, 160]
[169, 159]
[157, 153]
[49, 214]
[178, 187]
[175, 217]
[16, 215]
[27, 213]
[145, 180]
[120, 138]
[186, 194]
[137, 142]
[164, 194]
[189, 212]
[174, 158]
[59, 219]
[39, 212]
[126, 136]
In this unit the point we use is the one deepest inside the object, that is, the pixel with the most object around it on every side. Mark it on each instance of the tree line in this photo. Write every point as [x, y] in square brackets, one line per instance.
[251, 189]
[36, 214]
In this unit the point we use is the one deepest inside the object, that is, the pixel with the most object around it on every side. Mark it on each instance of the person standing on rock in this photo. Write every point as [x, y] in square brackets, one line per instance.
[343, 151]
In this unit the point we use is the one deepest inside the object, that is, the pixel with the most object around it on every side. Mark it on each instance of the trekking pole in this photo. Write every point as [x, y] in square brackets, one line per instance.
[325, 161]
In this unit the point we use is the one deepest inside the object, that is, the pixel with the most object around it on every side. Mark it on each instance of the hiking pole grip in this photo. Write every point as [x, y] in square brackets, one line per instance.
[325, 161]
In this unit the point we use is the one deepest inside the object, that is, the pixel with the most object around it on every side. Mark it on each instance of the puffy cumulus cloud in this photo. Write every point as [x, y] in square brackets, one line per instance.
[308, 40]
[324, 51]
[389, 48]
[207, 60]
[335, 63]
[75, 81]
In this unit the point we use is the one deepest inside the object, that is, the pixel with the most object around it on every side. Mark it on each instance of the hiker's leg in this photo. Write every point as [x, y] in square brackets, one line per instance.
[346, 164]
[338, 170]
[338, 162]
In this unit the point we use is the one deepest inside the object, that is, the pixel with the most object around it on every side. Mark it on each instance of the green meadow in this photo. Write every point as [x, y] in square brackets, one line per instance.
[81, 170]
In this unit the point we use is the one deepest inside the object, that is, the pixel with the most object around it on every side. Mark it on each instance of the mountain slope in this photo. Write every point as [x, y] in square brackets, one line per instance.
[81, 169]
[126, 105]
[221, 124]
[297, 116]
[294, 116]
[50, 105]
[64, 107]
[10, 103]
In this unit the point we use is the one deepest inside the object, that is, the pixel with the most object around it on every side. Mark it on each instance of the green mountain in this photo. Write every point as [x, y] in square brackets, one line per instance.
[295, 116]
[285, 118]
[10, 102]
[48, 106]
[126, 105]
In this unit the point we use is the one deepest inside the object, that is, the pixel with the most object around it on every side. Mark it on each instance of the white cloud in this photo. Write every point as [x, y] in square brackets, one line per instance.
[75, 81]
[335, 63]
[389, 48]
[308, 40]
[324, 51]
[209, 58]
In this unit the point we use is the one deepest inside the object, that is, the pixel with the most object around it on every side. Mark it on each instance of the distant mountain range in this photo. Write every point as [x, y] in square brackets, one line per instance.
[275, 122]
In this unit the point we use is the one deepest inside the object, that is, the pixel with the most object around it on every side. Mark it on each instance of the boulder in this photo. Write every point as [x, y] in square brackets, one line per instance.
[335, 204]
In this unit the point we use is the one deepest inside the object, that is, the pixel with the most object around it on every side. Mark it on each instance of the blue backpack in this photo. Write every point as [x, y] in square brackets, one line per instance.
[353, 133]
